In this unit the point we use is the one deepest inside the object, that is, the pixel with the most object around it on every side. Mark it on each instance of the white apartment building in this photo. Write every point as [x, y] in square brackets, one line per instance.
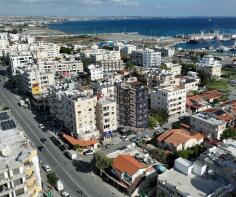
[189, 179]
[19, 162]
[210, 126]
[105, 55]
[4, 42]
[127, 50]
[96, 72]
[165, 51]
[106, 117]
[61, 67]
[151, 58]
[210, 66]
[175, 69]
[19, 60]
[190, 82]
[44, 50]
[170, 99]
[147, 58]
[79, 114]
[35, 82]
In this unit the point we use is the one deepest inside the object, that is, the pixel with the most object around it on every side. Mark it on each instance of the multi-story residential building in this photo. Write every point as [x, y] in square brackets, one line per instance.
[160, 78]
[44, 50]
[210, 66]
[111, 66]
[35, 82]
[165, 51]
[221, 159]
[210, 126]
[127, 50]
[79, 114]
[105, 55]
[19, 163]
[137, 57]
[106, 117]
[132, 104]
[96, 72]
[170, 99]
[151, 59]
[179, 139]
[19, 60]
[62, 67]
[147, 58]
[189, 82]
[189, 179]
[4, 42]
[175, 69]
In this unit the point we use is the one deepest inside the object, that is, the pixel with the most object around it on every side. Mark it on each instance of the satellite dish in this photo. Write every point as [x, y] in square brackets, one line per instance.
[7, 151]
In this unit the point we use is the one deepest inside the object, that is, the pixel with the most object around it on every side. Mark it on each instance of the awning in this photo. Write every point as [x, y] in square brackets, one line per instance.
[82, 143]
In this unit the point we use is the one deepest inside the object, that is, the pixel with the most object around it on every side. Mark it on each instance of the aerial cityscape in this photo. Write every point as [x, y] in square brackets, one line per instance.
[117, 98]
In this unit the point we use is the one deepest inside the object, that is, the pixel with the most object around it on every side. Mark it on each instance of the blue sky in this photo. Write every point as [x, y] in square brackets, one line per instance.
[119, 7]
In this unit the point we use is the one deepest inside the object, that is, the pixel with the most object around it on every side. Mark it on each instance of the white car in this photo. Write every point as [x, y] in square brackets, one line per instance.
[88, 152]
[46, 168]
[157, 127]
[65, 194]
[124, 138]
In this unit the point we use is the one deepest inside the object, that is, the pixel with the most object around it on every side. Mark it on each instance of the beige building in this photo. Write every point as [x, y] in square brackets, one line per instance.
[207, 124]
[79, 114]
[210, 66]
[170, 99]
[61, 67]
[106, 117]
[19, 163]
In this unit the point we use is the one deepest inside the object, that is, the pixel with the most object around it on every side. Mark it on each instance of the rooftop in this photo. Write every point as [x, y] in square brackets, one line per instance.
[14, 145]
[128, 164]
[206, 118]
[192, 185]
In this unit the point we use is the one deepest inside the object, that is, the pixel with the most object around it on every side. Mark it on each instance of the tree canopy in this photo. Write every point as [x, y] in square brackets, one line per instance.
[102, 161]
[229, 133]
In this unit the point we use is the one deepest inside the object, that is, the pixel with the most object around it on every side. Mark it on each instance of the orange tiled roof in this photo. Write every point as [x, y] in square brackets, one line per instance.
[178, 136]
[127, 163]
[82, 143]
[212, 94]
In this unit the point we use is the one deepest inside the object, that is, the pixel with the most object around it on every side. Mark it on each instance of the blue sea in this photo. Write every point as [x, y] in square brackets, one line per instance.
[151, 27]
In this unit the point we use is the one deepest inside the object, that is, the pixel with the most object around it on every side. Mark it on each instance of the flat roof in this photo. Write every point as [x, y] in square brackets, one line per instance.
[15, 147]
[192, 185]
[206, 118]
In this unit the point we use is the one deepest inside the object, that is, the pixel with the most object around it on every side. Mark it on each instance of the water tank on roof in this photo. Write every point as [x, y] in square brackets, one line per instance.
[6, 151]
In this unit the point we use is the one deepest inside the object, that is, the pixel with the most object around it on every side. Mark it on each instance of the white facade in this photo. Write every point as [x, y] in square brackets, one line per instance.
[151, 58]
[210, 126]
[170, 99]
[127, 50]
[96, 72]
[32, 77]
[19, 60]
[71, 67]
[46, 50]
[165, 51]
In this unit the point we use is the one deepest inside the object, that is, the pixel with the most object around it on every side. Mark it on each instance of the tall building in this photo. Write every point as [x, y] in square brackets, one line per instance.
[19, 163]
[106, 117]
[170, 99]
[146, 57]
[132, 104]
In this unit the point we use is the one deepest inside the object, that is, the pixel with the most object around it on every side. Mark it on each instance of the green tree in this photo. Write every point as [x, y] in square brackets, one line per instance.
[158, 117]
[192, 152]
[102, 162]
[52, 178]
[66, 50]
[159, 155]
[188, 67]
[229, 133]
[176, 125]
[129, 66]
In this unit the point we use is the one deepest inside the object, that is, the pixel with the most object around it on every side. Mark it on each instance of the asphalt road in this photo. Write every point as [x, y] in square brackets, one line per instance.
[73, 180]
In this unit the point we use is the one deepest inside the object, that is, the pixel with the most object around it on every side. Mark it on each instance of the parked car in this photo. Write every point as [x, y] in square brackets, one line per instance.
[59, 186]
[62, 147]
[43, 140]
[46, 167]
[65, 194]
[88, 152]
[157, 127]
[41, 148]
